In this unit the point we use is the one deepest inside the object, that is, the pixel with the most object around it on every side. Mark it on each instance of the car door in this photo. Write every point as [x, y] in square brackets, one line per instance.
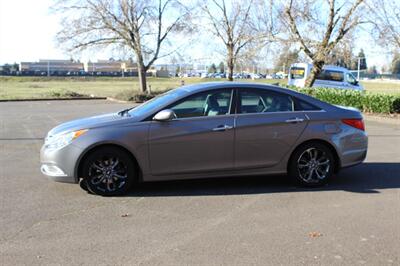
[200, 139]
[266, 127]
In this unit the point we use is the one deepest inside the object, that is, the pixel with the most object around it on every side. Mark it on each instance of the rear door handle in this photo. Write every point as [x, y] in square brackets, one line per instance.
[222, 128]
[294, 120]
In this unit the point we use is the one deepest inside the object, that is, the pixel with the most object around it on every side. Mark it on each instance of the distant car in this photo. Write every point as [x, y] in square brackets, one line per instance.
[255, 76]
[330, 77]
[207, 130]
[236, 76]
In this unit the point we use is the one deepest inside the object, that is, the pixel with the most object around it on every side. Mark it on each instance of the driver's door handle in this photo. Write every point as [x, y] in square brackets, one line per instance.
[294, 120]
[222, 128]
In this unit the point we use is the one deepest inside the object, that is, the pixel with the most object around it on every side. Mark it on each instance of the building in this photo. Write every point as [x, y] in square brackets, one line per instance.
[54, 67]
[104, 66]
[111, 67]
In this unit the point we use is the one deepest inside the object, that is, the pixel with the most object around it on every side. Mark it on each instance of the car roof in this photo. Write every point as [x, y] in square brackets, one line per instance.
[325, 67]
[330, 67]
[189, 89]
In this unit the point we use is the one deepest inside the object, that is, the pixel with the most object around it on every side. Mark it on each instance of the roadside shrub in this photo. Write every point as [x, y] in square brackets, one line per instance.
[135, 96]
[364, 101]
[66, 94]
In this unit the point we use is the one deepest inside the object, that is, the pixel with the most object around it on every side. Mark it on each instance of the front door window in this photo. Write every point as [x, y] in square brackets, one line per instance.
[210, 103]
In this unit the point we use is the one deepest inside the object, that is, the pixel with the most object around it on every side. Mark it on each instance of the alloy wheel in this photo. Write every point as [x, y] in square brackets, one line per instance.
[108, 174]
[313, 165]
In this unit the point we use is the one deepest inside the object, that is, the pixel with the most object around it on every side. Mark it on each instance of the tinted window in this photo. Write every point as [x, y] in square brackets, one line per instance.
[305, 106]
[259, 101]
[297, 72]
[209, 103]
[330, 75]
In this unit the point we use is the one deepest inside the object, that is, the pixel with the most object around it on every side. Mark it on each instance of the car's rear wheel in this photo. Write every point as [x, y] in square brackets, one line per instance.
[108, 171]
[312, 164]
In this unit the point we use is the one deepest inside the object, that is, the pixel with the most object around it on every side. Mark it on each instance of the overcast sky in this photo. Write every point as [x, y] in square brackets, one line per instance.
[27, 33]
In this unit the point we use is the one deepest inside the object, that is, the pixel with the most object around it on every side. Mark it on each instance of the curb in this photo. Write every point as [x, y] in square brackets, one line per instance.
[382, 119]
[117, 101]
[54, 99]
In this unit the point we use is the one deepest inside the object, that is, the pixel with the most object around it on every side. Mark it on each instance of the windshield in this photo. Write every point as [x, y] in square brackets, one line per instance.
[297, 72]
[150, 105]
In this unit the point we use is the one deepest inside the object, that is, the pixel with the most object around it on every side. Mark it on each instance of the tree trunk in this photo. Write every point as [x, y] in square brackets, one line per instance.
[317, 68]
[142, 77]
[230, 63]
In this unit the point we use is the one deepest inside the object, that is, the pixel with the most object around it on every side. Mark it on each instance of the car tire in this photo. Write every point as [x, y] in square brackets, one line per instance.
[311, 165]
[108, 171]
[83, 184]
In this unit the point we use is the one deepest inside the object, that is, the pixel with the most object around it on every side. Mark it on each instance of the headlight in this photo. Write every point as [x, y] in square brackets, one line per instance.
[60, 141]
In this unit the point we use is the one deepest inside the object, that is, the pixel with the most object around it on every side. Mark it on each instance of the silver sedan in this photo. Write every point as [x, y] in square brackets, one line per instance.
[207, 130]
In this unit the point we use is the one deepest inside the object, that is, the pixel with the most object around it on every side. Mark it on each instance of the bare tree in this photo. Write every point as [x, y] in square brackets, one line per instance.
[140, 26]
[318, 37]
[232, 25]
[385, 17]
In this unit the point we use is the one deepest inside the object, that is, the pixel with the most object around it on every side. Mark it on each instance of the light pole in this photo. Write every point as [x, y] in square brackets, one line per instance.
[358, 67]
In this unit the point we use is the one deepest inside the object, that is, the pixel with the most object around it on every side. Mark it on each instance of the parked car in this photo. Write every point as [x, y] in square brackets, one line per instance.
[330, 77]
[255, 76]
[207, 130]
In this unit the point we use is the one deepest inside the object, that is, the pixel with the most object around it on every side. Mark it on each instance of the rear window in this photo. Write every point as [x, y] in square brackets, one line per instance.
[331, 75]
[305, 106]
[297, 72]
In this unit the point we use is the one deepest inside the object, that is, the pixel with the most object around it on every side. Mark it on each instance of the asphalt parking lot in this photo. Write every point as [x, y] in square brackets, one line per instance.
[354, 220]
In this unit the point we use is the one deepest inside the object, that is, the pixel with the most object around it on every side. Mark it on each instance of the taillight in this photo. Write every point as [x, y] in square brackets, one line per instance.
[357, 123]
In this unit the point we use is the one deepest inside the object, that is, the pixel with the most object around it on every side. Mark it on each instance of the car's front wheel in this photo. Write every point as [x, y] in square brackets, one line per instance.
[312, 164]
[108, 171]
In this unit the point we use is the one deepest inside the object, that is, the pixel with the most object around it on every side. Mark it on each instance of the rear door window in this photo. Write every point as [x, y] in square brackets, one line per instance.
[331, 75]
[264, 101]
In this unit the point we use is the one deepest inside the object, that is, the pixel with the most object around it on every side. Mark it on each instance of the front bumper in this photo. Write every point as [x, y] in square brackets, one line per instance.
[60, 165]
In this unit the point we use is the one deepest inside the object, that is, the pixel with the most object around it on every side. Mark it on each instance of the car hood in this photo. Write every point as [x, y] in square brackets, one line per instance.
[88, 122]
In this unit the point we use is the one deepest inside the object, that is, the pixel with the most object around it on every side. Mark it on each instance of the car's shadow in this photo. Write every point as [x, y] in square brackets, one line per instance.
[364, 178]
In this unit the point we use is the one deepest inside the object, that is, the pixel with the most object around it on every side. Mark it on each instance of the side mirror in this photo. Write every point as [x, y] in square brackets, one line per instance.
[164, 115]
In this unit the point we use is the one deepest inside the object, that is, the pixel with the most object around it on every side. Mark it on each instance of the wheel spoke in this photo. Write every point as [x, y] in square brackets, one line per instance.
[120, 176]
[110, 185]
[324, 162]
[320, 176]
[99, 166]
[310, 175]
[300, 165]
[98, 179]
[115, 163]
[315, 154]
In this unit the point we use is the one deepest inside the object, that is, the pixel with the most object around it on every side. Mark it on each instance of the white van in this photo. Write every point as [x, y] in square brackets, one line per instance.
[330, 77]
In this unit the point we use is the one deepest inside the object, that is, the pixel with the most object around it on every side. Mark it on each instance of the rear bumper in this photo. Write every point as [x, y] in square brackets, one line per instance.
[353, 147]
[354, 158]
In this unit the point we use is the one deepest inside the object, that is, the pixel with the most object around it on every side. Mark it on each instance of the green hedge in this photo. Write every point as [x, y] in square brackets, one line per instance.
[364, 101]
